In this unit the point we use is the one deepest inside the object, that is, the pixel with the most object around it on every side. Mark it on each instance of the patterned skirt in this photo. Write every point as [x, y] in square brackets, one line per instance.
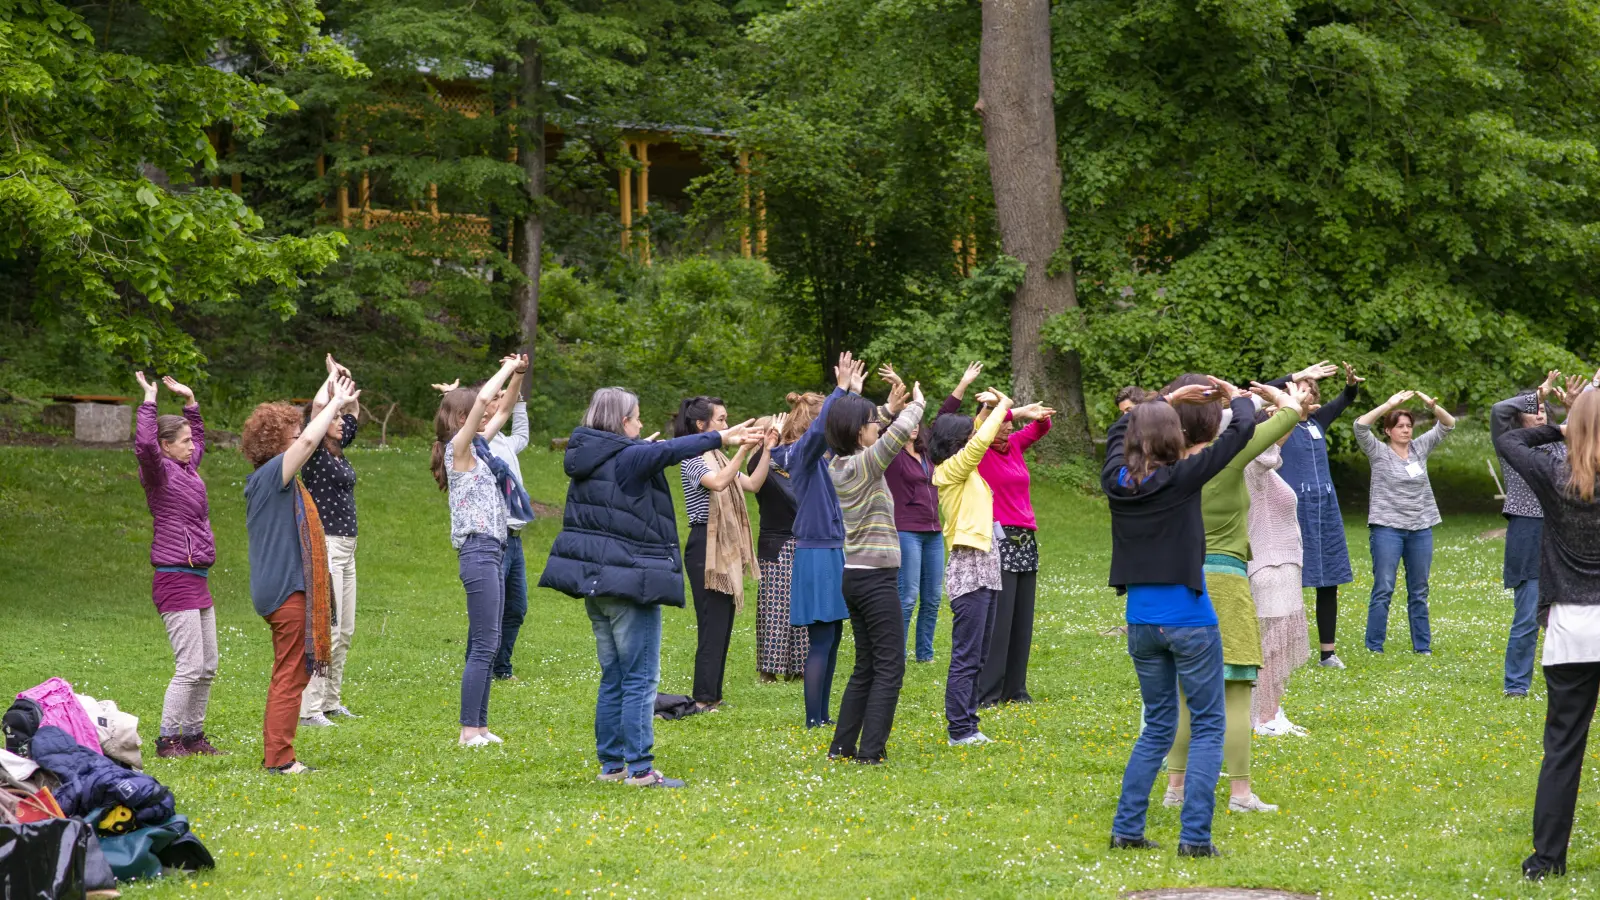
[1285, 644]
[780, 647]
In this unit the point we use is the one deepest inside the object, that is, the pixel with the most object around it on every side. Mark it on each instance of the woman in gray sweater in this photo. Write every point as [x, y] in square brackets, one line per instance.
[1401, 513]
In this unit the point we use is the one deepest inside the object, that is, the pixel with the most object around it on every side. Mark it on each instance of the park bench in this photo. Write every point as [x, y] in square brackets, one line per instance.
[93, 418]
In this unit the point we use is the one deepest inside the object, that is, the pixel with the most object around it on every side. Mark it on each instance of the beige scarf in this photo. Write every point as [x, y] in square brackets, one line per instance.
[730, 554]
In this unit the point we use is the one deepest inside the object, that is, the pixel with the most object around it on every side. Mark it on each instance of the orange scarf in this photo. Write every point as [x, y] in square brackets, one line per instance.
[319, 587]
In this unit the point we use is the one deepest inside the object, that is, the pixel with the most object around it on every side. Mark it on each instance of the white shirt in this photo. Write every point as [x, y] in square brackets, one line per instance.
[1573, 635]
[506, 449]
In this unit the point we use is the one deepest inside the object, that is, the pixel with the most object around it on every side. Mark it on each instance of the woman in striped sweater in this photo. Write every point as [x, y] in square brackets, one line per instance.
[871, 563]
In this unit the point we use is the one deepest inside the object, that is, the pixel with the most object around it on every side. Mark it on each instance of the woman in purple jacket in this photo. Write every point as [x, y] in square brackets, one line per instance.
[169, 449]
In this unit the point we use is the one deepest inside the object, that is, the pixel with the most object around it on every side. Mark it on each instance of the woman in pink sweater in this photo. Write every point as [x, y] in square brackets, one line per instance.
[182, 550]
[1004, 678]
[1274, 569]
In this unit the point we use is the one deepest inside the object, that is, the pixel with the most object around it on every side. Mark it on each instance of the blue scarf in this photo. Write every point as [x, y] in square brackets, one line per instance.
[517, 502]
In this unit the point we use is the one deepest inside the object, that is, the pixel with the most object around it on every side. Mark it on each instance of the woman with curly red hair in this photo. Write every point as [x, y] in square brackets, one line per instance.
[289, 582]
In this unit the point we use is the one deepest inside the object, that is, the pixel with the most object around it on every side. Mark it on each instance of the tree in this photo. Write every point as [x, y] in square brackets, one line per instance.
[107, 110]
[1016, 101]
[1256, 186]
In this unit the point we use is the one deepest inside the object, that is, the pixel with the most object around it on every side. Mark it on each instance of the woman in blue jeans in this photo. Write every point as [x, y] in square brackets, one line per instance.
[1152, 481]
[618, 552]
[916, 518]
[1401, 513]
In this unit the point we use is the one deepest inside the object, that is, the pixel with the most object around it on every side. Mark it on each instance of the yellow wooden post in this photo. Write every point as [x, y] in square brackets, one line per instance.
[625, 194]
[644, 200]
[433, 202]
[744, 204]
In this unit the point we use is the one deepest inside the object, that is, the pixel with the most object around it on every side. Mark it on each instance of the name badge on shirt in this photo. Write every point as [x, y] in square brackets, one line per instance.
[1316, 433]
[1413, 469]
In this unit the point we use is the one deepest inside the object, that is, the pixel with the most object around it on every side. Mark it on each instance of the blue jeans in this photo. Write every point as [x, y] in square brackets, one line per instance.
[1524, 637]
[479, 565]
[627, 638]
[921, 574]
[1165, 657]
[1389, 547]
[514, 571]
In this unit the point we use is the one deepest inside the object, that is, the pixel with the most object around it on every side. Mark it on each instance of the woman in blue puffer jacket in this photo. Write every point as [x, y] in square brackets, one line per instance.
[618, 552]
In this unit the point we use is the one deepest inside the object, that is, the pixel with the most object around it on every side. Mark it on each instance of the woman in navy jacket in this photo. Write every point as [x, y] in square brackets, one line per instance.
[618, 552]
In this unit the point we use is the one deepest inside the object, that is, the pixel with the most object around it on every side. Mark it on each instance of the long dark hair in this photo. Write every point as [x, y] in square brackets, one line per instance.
[453, 409]
[692, 411]
[950, 432]
[1200, 420]
[1155, 438]
[328, 442]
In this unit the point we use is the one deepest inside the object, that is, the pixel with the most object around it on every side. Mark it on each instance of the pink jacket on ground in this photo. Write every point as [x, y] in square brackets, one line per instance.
[175, 494]
[63, 710]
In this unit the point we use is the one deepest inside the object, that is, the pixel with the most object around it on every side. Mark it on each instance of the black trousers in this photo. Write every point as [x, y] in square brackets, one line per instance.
[1572, 690]
[866, 712]
[1005, 670]
[1327, 614]
[713, 619]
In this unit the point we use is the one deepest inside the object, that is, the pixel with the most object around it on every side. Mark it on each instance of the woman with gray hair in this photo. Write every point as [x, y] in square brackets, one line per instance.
[618, 552]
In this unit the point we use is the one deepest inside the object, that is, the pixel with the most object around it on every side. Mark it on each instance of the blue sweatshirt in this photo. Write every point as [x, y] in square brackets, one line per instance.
[818, 523]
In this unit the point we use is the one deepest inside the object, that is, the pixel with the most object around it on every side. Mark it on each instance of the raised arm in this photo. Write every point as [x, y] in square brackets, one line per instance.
[1116, 458]
[1440, 414]
[347, 430]
[344, 390]
[1540, 470]
[461, 443]
[1503, 416]
[1202, 466]
[519, 423]
[146, 448]
[974, 369]
[878, 457]
[644, 459]
[1371, 416]
[720, 479]
[762, 462]
[1037, 428]
[957, 468]
[808, 448]
[513, 387]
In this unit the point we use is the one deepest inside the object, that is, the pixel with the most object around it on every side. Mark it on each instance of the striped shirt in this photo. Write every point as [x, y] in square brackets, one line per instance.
[870, 537]
[696, 498]
[1401, 496]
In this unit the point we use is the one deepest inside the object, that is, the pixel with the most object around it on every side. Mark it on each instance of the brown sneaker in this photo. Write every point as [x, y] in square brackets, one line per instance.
[197, 744]
[169, 746]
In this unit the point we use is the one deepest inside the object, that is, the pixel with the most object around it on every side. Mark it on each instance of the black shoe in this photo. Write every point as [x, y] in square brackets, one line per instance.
[869, 760]
[1521, 695]
[1198, 850]
[836, 755]
[1023, 697]
[1535, 870]
[1123, 843]
[988, 704]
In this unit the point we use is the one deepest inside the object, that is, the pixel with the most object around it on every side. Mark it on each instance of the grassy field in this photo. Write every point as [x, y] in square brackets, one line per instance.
[1416, 780]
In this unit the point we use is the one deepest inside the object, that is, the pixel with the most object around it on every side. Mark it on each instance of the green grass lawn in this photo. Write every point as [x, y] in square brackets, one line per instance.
[1417, 779]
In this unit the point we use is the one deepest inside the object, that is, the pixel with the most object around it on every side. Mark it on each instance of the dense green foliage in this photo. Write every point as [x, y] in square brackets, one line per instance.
[91, 243]
[1254, 185]
[1416, 780]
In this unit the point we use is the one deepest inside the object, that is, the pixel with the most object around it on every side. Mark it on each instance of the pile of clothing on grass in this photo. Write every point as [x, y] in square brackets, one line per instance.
[77, 811]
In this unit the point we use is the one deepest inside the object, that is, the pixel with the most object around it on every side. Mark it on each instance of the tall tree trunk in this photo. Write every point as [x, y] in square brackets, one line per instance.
[528, 245]
[1016, 99]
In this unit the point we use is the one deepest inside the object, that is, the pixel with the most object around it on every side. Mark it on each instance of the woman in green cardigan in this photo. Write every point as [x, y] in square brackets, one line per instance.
[1225, 503]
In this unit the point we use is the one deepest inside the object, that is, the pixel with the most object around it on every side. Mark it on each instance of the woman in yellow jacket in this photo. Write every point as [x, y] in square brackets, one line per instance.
[972, 569]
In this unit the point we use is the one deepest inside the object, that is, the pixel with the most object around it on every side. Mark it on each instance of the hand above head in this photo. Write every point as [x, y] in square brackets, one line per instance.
[652, 437]
[843, 371]
[1191, 393]
[510, 362]
[858, 377]
[1289, 398]
[897, 398]
[149, 389]
[1552, 381]
[344, 391]
[916, 392]
[974, 369]
[447, 388]
[1350, 376]
[1426, 400]
[736, 435]
[1399, 398]
[333, 367]
[1030, 412]
[887, 373]
[1315, 371]
[1002, 403]
[1575, 386]
[1225, 390]
[522, 366]
[178, 388]
[988, 398]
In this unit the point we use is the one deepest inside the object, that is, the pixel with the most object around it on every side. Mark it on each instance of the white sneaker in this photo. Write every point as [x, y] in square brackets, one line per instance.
[1285, 726]
[315, 720]
[1173, 798]
[974, 739]
[476, 741]
[1332, 662]
[1269, 729]
[493, 738]
[1251, 803]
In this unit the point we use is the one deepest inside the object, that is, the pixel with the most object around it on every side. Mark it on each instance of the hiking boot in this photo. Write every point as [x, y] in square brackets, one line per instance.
[1198, 851]
[171, 746]
[197, 744]
[1126, 843]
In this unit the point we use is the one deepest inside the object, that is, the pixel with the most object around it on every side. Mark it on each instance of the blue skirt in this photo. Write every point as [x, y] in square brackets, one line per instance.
[816, 587]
